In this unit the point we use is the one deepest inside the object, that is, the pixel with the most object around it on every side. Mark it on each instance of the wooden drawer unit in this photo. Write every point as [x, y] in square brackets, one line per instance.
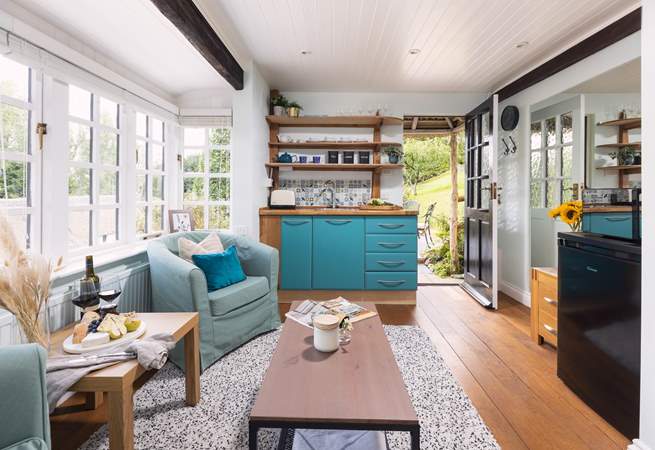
[543, 314]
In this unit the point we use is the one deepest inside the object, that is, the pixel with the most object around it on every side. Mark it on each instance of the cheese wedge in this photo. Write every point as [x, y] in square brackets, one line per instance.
[95, 339]
[79, 332]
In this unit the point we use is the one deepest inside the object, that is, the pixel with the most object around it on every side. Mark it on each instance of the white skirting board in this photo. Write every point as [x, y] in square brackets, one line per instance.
[515, 292]
[638, 444]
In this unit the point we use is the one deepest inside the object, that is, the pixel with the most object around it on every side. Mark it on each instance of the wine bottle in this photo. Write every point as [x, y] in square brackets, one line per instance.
[90, 273]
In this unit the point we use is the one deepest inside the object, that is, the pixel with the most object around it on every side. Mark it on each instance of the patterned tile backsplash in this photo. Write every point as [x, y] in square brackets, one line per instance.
[310, 192]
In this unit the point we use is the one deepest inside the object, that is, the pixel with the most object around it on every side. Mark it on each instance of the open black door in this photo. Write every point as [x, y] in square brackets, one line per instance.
[480, 201]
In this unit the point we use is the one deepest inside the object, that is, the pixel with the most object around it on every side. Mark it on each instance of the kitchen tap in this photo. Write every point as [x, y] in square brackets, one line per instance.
[330, 189]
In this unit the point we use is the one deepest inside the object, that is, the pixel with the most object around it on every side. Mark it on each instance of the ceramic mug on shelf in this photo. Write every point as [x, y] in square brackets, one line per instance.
[316, 159]
[302, 159]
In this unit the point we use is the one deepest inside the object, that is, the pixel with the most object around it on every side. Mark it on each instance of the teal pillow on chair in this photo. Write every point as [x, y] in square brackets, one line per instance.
[221, 269]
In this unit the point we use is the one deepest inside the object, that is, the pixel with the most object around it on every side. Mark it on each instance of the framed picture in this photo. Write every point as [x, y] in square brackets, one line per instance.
[180, 220]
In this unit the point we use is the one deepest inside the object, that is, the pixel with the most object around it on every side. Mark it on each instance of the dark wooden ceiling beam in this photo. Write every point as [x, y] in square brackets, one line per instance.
[193, 25]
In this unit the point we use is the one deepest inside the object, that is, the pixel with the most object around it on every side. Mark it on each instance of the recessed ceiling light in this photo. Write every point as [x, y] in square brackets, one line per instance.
[414, 51]
[522, 44]
[305, 52]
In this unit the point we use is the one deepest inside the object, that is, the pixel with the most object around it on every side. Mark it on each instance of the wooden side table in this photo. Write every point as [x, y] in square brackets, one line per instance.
[118, 380]
[543, 308]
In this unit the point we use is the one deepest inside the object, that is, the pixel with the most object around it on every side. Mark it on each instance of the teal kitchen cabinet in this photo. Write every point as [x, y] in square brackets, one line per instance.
[610, 224]
[395, 243]
[391, 262]
[338, 253]
[392, 281]
[391, 225]
[296, 262]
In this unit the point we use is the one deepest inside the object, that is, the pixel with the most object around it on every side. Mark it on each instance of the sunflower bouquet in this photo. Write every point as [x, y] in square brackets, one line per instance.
[570, 213]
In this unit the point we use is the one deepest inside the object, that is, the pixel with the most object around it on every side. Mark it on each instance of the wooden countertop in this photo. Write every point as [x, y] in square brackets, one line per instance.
[318, 211]
[608, 209]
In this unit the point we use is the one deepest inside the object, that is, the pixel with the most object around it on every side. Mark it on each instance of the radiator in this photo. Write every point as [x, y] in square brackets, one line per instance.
[136, 296]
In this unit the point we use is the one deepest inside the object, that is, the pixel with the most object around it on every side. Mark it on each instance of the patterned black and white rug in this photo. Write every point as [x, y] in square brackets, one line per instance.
[229, 387]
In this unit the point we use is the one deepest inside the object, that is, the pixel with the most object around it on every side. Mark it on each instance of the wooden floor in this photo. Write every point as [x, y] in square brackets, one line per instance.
[511, 381]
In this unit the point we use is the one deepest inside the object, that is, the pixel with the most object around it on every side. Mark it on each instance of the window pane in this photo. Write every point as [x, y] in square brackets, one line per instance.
[536, 194]
[108, 186]
[79, 186]
[485, 127]
[14, 126]
[536, 165]
[141, 220]
[141, 188]
[157, 132]
[14, 79]
[79, 102]
[551, 165]
[567, 161]
[157, 156]
[567, 190]
[141, 124]
[219, 189]
[551, 193]
[20, 225]
[217, 136]
[79, 226]
[157, 187]
[219, 217]
[194, 137]
[141, 157]
[197, 215]
[108, 148]
[550, 131]
[535, 135]
[108, 113]
[194, 189]
[567, 127]
[107, 226]
[157, 215]
[219, 161]
[194, 160]
[79, 142]
[14, 185]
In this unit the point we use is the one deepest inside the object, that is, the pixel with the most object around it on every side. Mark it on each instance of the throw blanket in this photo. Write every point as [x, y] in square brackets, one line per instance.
[65, 371]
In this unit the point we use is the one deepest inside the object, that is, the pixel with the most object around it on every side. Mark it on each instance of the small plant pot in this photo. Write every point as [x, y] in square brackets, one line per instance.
[394, 158]
[279, 111]
[293, 111]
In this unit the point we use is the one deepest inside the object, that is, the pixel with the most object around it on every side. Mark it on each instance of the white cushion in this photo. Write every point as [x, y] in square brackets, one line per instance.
[187, 248]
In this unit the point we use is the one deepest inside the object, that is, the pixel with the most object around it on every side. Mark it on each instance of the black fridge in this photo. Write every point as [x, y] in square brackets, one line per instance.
[599, 325]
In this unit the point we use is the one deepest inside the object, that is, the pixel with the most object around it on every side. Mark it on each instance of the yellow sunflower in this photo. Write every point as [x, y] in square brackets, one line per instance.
[570, 215]
[555, 212]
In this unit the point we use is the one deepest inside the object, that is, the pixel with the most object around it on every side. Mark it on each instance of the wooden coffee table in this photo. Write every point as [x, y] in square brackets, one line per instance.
[358, 387]
[118, 380]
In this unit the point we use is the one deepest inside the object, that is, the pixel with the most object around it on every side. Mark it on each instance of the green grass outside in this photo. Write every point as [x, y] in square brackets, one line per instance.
[437, 189]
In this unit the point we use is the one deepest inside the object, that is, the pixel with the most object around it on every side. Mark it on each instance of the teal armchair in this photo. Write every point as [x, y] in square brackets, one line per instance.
[229, 317]
[24, 419]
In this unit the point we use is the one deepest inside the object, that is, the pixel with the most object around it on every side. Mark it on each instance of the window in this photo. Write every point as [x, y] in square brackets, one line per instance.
[206, 181]
[94, 170]
[551, 161]
[17, 162]
[150, 174]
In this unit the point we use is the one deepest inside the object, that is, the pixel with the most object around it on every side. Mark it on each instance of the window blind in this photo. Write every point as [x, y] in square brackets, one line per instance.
[206, 121]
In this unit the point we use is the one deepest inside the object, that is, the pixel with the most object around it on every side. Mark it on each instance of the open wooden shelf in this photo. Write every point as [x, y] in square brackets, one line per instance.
[351, 167]
[334, 121]
[636, 168]
[634, 122]
[620, 145]
[333, 144]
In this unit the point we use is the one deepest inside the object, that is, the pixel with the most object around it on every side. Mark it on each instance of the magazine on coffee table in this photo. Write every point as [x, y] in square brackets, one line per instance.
[304, 313]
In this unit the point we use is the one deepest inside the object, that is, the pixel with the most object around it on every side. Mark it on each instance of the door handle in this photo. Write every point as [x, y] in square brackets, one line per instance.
[390, 263]
[592, 269]
[617, 219]
[295, 222]
[550, 301]
[391, 283]
[391, 226]
[338, 222]
[550, 329]
[390, 244]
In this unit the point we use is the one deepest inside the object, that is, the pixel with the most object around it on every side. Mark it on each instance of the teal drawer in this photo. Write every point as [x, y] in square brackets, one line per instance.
[391, 225]
[391, 243]
[338, 253]
[296, 252]
[394, 262]
[391, 281]
[610, 224]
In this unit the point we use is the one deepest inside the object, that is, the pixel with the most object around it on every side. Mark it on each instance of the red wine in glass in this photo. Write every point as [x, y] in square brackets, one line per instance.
[109, 294]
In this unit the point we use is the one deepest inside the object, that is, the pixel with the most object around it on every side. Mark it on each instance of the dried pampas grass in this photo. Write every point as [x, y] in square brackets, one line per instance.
[24, 285]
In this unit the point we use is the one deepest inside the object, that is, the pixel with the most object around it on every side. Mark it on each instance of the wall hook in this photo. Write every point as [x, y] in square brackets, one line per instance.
[513, 144]
[506, 152]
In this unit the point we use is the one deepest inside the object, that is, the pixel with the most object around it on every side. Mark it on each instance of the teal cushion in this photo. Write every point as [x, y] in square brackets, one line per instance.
[221, 269]
[29, 444]
[237, 295]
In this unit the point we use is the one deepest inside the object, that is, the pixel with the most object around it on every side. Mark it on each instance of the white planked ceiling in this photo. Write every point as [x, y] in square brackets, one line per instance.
[135, 35]
[362, 45]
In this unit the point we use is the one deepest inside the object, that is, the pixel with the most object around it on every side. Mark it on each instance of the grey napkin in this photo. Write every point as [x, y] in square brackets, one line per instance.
[65, 371]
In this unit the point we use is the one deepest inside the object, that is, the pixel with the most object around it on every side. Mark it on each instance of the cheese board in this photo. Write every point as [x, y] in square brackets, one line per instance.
[77, 349]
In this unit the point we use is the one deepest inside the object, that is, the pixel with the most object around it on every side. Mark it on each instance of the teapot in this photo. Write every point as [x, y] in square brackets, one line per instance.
[284, 158]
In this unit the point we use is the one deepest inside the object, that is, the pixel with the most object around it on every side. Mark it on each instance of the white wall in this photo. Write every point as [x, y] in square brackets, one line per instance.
[647, 419]
[513, 173]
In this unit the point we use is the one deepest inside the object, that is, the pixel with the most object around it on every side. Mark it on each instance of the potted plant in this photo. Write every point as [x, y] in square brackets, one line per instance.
[570, 213]
[280, 104]
[293, 109]
[626, 156]
[394, 154]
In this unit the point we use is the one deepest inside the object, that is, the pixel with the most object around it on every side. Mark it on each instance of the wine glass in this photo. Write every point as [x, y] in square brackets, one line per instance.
[110, 290]
[85, 295]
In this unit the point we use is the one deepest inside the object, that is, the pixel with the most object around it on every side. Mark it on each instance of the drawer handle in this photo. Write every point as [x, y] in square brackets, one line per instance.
[295, 222]
[390, 244]
[617, 219]
[338, 222]
[550, 300]
[550, 329]
[390, 263]
[391, 226]
[392, 283]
